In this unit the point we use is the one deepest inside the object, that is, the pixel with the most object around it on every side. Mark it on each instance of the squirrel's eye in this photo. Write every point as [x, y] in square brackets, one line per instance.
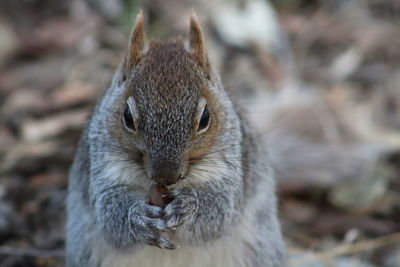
[204, 120]
[128, 119]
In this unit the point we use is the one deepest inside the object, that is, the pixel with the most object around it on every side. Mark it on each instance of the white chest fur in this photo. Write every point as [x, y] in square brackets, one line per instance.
[227, 253]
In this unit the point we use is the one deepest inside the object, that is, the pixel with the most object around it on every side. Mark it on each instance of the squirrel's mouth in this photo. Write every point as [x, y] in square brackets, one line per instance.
[168, 182]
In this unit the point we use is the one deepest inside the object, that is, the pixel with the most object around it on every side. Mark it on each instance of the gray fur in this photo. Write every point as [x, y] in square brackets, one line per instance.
[227, 194]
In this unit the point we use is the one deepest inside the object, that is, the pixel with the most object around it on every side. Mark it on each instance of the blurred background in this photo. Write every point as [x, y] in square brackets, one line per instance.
[319, 80]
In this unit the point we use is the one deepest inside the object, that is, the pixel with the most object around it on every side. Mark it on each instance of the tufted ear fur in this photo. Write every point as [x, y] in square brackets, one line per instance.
[197, 44]
[136, 44]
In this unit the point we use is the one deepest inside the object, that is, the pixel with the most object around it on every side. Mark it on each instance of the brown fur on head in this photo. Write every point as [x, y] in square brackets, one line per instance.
[137, 45]
[168, 86]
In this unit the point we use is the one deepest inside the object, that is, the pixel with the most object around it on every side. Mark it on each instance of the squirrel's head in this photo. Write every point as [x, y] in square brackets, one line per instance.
[169, 116]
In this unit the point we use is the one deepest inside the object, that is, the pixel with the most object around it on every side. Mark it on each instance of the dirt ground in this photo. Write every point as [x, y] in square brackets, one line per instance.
[319, 80]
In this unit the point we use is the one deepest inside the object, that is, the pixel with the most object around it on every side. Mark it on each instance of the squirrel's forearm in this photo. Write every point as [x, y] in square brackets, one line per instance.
[112, 215]
[216, 213]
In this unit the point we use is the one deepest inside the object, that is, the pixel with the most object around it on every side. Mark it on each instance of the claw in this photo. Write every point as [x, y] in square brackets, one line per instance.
[172, 221]
[165, 243]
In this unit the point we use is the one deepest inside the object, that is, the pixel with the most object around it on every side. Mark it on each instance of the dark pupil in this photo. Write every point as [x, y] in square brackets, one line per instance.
[128, 120]
[205, 118]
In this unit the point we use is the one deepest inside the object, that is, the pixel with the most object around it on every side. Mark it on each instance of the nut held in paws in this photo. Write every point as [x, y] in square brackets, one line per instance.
[156, 195]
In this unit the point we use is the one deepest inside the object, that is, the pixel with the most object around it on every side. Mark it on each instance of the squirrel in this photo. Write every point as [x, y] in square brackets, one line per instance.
[166, 119]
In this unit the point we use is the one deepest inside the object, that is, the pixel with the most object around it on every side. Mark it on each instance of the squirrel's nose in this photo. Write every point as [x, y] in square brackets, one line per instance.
[165, 175]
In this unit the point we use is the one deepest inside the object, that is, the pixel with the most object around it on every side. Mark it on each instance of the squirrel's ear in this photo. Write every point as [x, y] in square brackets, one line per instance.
[136, 43]
[197, 44]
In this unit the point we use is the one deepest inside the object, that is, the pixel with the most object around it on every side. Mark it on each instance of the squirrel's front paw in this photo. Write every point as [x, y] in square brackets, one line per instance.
[147, 226]
[184, 204]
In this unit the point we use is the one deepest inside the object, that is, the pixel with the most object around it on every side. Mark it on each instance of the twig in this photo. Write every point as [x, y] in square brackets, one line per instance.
[32, 252]
[350, 248]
